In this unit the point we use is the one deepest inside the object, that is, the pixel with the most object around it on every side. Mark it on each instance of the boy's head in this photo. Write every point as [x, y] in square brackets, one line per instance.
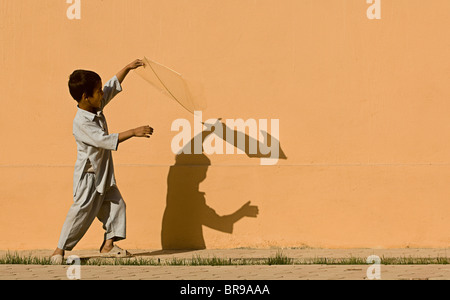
[84, 84]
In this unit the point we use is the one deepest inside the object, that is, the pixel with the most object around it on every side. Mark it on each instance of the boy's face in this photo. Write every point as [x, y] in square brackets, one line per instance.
[96, 100]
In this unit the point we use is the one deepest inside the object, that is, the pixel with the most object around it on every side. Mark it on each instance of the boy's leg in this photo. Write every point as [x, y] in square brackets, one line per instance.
[113, 216]
[82, 213]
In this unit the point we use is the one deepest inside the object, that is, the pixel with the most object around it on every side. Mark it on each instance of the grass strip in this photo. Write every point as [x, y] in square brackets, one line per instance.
[278, 259]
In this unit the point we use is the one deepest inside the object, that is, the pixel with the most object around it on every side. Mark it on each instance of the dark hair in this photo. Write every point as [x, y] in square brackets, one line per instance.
[82, 81]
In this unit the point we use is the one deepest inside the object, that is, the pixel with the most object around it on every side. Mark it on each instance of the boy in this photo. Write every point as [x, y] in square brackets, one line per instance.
[94, 187]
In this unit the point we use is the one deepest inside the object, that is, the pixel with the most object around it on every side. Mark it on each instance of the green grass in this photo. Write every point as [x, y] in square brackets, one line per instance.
[384, 261]
[278, 259]
[15, 259]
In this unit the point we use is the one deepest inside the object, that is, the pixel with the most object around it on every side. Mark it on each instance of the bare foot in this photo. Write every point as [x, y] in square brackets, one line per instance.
[57, 257]
[58, 252]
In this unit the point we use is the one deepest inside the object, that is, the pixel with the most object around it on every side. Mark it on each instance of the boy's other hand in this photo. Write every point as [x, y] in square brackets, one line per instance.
[143, 131]
[135, 64]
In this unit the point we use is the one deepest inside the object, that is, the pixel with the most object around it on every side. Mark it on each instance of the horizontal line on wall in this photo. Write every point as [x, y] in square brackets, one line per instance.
[248, 165]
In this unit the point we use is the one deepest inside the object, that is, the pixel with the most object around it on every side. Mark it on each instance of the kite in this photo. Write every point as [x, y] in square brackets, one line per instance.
[187, 93]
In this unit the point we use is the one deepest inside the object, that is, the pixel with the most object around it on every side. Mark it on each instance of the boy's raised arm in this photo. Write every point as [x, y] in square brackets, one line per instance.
[113, 87]
[131, 66]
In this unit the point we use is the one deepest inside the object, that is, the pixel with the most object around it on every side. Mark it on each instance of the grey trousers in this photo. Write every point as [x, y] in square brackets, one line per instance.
[88, 204]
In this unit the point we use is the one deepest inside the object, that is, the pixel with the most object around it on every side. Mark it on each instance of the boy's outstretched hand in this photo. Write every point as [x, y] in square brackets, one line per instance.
[131, 66]
[135, 64]
[143, 131]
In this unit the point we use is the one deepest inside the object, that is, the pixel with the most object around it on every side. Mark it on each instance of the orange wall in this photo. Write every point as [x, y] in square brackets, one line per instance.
[363, 107]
